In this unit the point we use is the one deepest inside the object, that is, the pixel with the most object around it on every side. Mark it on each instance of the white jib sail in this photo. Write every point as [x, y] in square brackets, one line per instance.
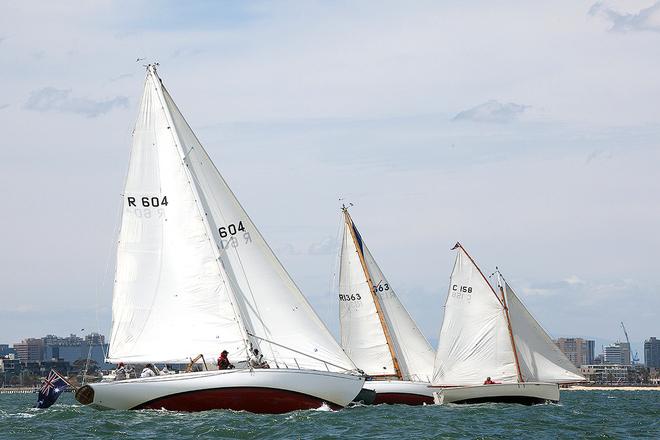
[197, 275]
[414, 353]
[540, 358]
[363, 337]
[474, 340]
[270, 304]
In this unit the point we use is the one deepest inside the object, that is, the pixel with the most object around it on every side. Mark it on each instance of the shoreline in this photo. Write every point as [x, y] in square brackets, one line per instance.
[613, 387]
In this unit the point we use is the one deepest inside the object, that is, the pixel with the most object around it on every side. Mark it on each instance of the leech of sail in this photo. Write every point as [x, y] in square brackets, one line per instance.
[502, 301]
[379, 309]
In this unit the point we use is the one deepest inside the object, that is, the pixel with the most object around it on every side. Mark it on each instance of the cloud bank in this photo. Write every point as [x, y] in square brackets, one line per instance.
[52, 99]
[492, 111]
[647, 19]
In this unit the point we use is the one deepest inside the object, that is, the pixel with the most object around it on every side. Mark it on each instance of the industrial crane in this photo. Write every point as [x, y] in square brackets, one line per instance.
[635, 357]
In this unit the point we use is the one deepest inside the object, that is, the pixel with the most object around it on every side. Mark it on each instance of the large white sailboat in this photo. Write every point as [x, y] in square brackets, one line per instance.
[489, 334]
[195, 276]
[377, 332]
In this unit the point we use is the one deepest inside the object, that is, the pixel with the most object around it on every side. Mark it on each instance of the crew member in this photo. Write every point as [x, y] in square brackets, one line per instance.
[120, 372]
[223, 361]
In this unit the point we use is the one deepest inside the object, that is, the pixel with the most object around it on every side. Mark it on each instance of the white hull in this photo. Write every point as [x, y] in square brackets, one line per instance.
[526, 393]
[400, 391]
[261, 391]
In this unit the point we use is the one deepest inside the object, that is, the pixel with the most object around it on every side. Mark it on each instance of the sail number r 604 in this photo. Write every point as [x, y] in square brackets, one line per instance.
[231, 229]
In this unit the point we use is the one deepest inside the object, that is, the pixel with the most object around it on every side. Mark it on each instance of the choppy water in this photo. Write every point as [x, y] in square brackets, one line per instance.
[581, 414]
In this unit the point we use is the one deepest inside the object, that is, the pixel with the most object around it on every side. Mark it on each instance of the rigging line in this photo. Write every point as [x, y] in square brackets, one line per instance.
[299, 352]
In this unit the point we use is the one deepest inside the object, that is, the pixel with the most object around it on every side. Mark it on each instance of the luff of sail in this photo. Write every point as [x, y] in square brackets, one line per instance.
[362, 331]
[258, 296]
[540, 358]
[474, 340]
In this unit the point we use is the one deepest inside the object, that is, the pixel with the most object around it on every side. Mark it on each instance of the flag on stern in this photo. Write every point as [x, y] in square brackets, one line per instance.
[50, 390]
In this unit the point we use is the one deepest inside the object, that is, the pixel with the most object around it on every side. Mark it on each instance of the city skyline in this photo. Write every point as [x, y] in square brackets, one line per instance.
[539, 159]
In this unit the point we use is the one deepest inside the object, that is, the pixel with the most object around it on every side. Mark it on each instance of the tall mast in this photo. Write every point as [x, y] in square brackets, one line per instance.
[379, 309]
[502, 301]
[508, 323]
[202, 210]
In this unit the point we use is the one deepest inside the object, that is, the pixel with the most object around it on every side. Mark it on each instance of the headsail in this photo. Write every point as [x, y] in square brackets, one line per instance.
[258, 296]
[363, 335]
[474, 341]
[540, 358]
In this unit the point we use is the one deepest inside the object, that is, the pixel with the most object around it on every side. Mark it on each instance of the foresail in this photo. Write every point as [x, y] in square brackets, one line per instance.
[362, 335]
[271, 306]
[169, 300]
[540, 358]
[474, 340]
[414, 353]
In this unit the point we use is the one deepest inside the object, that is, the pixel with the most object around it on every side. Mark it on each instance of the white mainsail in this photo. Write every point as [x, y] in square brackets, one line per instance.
[540, 358]
[250, 298]
[475, 341]
[362, 332]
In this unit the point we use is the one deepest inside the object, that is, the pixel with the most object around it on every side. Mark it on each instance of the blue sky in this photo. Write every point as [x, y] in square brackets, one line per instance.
[528, 132]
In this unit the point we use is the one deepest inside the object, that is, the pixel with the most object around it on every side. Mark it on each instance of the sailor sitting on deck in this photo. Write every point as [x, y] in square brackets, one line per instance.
[489, 381]
[120, 372]
[257, 360]
[223, 361]
[149, 371]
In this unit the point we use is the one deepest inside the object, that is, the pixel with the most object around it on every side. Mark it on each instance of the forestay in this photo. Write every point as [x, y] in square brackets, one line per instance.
[540, 358]
[257, 296]
[362, 332]
[474, 340]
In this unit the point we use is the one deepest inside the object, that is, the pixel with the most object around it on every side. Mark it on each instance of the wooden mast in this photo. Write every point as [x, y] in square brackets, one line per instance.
[502, 301]
[508, 322]
[379, 310]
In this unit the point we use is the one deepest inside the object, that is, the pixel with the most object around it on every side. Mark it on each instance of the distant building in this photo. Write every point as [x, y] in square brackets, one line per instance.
[30, 350]
[617, 353]
[74, 348]
[6, 350]
[577, 350]
[607, 373]
[652, 353]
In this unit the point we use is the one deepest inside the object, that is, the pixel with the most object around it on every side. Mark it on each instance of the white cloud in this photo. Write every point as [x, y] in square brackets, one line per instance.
[646, 19]
[492, 111]
[52, 99]
[326, 246]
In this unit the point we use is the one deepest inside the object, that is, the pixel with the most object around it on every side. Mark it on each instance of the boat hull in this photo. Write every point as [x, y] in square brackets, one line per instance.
[400, 392]
[271, 391]
[528, 393]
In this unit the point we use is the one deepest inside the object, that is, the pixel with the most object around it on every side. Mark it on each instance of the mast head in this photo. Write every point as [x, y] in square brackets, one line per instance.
[456, 246]
[344, 208]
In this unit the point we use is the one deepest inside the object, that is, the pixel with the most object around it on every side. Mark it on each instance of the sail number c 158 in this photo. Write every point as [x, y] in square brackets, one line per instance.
[461, 292]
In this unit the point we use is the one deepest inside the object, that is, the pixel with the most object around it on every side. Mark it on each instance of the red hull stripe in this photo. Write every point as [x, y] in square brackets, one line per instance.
[252, 399]
[402, 398]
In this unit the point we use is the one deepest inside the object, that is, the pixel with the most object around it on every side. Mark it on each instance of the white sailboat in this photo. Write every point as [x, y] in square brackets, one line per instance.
[489, 334]
[195, 276]
[377, 332]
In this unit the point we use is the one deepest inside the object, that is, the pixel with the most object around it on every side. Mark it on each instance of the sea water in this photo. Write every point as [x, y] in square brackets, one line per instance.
[581, 414]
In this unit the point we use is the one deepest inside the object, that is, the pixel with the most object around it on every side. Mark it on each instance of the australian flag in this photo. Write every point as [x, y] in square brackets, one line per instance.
[50, 390]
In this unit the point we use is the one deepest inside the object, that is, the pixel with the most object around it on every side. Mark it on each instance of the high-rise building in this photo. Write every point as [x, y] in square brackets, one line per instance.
[30, 350]
[617, 353]
[652, 353]
[577, 350]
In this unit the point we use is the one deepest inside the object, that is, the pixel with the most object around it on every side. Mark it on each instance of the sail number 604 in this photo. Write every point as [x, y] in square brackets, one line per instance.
[231, 229]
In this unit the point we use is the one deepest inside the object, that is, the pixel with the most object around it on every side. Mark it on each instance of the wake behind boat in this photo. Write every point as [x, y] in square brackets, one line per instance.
[486, 335]
[376, 330]
[195, 276]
